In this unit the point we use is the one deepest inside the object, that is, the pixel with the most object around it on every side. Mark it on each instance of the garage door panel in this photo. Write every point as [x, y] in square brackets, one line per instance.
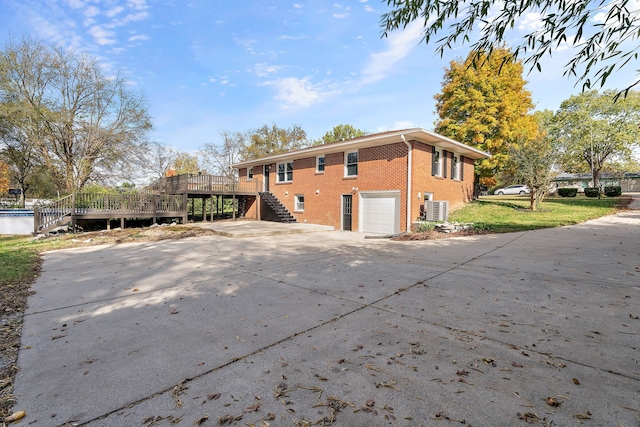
[380, 212]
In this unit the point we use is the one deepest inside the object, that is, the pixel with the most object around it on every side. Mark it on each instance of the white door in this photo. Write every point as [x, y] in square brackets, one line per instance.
[380, 212]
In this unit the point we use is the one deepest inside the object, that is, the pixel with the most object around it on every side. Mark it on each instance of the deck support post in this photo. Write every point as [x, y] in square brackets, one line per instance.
[258, 206]
[233, 206]
[73, 212]
[185, 203]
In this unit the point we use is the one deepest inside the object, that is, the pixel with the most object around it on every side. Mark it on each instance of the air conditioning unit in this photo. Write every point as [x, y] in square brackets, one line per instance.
[436, 210]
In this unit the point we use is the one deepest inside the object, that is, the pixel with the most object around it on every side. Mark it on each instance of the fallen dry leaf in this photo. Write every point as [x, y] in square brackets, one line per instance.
[584, 415]
[229, 419]
[252, 408]
[576, 381]
[552, 401]
[15, 416]
[201, 420]
[529, 417]
[213, 396]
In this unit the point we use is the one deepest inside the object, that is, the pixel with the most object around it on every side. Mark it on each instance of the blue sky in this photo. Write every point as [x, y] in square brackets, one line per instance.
[211, 65]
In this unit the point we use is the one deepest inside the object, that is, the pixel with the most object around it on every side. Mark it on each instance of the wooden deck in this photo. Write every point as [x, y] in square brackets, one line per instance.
[107, 206]
[167, 198]
[207, 185]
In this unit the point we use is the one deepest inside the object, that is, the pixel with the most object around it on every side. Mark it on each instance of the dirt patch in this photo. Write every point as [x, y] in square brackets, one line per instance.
[434, 235]
[130, 235]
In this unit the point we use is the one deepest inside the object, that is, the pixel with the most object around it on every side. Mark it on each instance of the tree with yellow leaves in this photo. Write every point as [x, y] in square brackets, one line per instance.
[486, 106]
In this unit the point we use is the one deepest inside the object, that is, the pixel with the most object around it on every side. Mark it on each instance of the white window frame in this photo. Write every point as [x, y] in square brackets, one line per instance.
[438, 163]
[346, 164]
[318, 164]
[286, 172]
[250, 174]
[299, 204]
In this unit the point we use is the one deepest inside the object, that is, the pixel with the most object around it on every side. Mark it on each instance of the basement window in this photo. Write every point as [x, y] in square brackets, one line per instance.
[299, 203]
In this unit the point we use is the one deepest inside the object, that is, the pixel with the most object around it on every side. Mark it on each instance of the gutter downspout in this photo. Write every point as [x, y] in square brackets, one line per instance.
[409, 152]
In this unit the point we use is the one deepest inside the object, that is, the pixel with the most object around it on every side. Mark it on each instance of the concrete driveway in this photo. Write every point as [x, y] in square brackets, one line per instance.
[334, 329]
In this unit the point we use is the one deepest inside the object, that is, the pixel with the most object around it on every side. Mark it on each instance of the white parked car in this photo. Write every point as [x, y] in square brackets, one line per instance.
[512, 189]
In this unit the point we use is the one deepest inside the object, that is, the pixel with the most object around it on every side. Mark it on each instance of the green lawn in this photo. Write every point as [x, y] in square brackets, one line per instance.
[503, 214]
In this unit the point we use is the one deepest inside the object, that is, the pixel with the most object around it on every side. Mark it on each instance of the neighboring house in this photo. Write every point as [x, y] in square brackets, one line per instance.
[376, 183]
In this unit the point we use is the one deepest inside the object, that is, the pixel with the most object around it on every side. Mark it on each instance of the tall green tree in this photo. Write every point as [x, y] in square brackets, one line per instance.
[270, 140]
[486, 107]
[84, 124]
[592, 130]
[604, 32]
[340, 132]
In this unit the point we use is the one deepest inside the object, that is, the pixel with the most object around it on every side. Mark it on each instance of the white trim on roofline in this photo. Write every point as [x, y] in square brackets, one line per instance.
[373, 140]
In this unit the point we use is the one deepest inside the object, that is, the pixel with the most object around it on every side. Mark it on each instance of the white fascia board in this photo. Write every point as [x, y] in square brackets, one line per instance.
[418, 134]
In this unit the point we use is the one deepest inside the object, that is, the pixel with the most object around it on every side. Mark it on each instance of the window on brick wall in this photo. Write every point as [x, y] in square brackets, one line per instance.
[285, 172]
[299, 203]
[455, 167]
[320, 164]
[351, 163]
[250, 173]
[436, 162]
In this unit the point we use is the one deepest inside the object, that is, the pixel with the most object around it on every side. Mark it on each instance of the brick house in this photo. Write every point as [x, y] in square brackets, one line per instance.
[377, 183]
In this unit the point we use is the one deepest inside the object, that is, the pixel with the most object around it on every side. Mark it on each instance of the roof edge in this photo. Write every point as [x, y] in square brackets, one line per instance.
[372, 140]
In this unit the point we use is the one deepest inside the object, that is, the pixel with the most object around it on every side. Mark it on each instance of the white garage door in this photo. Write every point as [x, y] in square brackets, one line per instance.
[380, 212]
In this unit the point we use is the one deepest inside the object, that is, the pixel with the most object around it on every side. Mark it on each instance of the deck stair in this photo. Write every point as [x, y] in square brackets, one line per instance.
[277, 207]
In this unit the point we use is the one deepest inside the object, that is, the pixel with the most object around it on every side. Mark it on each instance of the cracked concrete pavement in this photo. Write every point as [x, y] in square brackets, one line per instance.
[331, 328]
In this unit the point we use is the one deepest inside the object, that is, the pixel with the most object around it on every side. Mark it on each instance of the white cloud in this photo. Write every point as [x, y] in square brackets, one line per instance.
[75, 4]
[295, 93]
[138, 37]
[114, 11]
[246, 43]
[399, 43]
[300, 37]
[91, 11]
[263, 69]
[137, 4]
[530, 21]
[298, 6]
[101, 35]
[344, 13]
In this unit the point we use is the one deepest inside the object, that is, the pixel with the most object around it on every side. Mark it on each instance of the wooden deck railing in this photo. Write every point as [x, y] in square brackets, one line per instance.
[62, 211]
[127, 203]
[52, 214]
[205, 183]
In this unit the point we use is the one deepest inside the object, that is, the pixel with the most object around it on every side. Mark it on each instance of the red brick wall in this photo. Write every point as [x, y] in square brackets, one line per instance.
[455, 191]
[382, 168]
[379, 168]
